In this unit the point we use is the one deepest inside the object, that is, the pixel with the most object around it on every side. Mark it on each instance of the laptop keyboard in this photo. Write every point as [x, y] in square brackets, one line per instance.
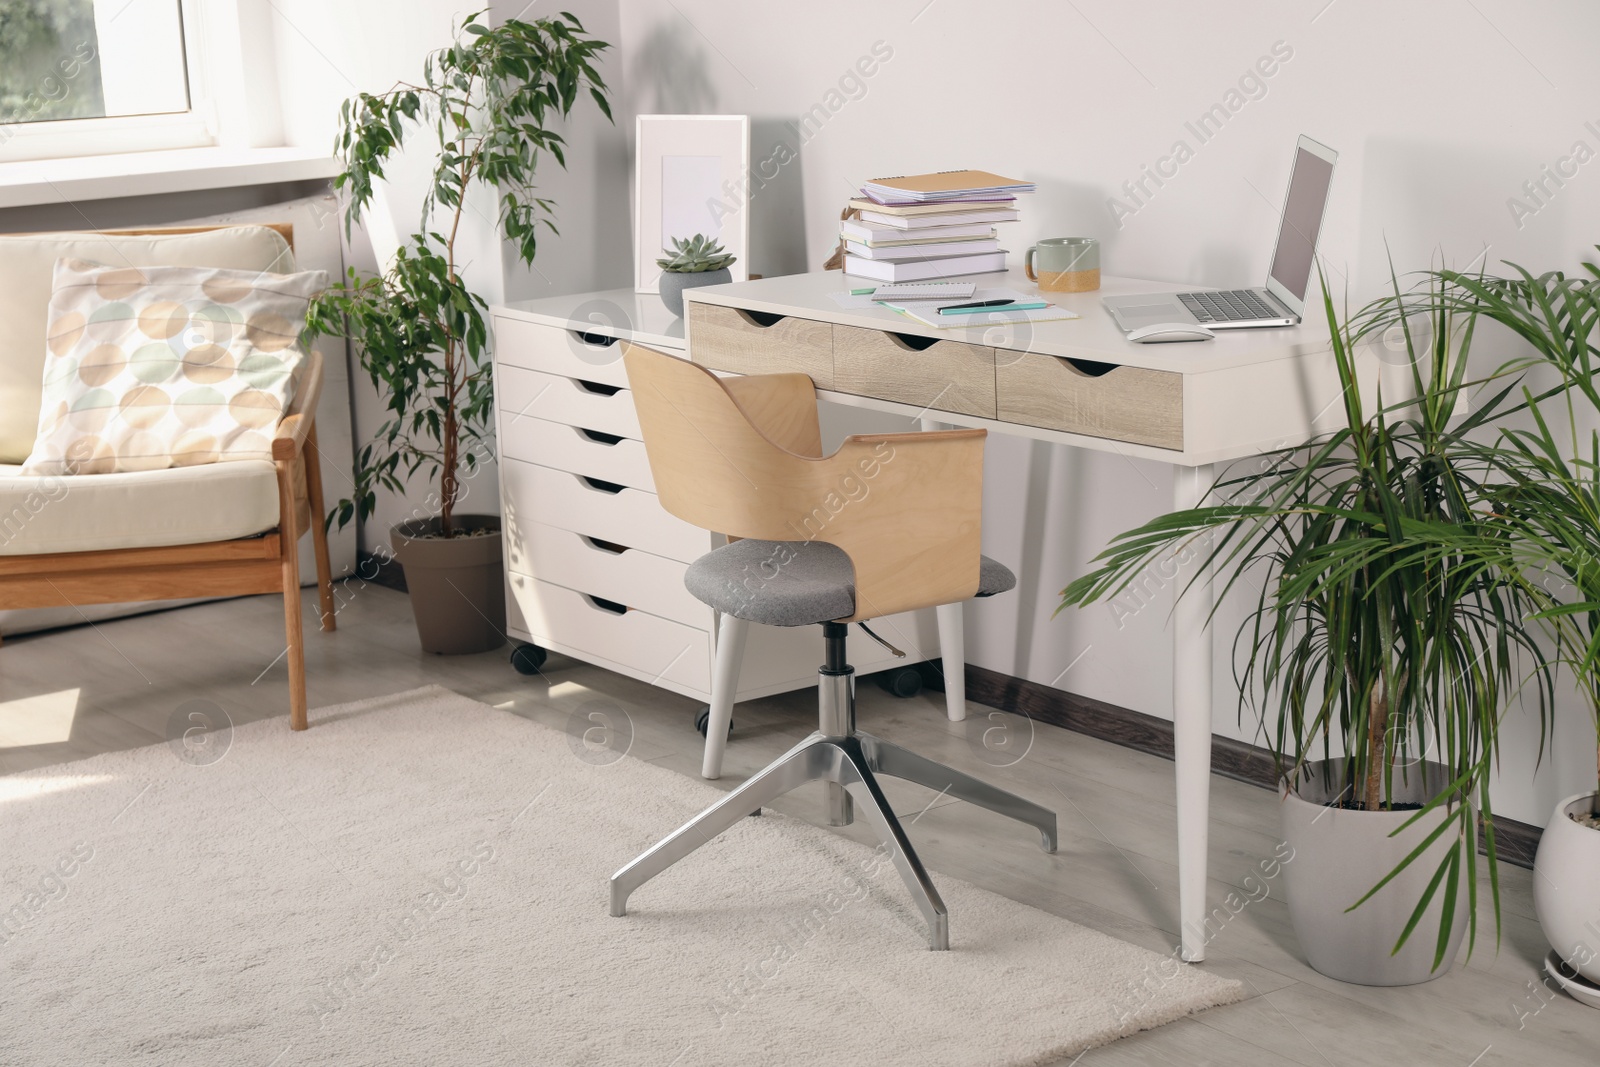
[1228, 305]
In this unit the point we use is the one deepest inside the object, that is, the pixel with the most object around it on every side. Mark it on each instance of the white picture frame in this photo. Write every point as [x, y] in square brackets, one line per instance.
[691, 174]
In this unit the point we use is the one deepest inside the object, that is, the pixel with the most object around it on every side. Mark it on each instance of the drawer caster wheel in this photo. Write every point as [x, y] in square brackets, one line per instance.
[903, 682]
[527, 659]
[702, 722]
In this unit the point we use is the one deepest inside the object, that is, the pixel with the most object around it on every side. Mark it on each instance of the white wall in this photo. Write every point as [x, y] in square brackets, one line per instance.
[1441, 110]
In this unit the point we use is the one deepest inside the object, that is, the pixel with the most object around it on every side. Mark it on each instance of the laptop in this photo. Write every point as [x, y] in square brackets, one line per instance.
[1282, 299]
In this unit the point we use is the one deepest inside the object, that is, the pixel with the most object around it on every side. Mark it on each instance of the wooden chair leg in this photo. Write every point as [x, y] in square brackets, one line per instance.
[293, 630]
[319, 529]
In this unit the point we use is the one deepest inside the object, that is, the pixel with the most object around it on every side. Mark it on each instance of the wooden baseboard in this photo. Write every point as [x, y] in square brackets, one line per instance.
[1517, 842]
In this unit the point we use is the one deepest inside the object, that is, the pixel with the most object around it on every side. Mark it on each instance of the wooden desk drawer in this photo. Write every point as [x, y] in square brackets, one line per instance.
[751, 343]
[521, 394]
[581, 451]
[556, 351]
[943, 375]
[531, 493]
[622, 574]
[654, 649]
[1119, 403]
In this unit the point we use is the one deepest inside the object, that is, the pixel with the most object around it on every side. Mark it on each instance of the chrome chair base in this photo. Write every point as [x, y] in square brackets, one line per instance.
[849, 762]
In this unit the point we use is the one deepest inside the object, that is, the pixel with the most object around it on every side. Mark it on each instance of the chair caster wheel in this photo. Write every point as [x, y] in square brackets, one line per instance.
[903, 682]
[527, 659]
[702, 722]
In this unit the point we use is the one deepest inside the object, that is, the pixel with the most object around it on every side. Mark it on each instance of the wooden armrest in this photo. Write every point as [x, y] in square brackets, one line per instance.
[907, 508]
[781, 406]
[301, 416]
[291, 437]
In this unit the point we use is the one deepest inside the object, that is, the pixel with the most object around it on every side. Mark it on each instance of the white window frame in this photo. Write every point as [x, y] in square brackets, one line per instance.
[200, 126]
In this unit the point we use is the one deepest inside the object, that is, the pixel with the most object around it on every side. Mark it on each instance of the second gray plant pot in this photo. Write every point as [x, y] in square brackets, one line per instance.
[673, 285]
[457, 586]
[1341, 853]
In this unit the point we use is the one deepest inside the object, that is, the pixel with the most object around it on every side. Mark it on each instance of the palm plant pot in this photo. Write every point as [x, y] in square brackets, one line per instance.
[458, 593]
[1566, 871]
[1341, 853]
[673, 283]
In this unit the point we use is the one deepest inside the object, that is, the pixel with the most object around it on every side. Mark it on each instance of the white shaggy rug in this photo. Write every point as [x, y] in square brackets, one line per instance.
[422, 879]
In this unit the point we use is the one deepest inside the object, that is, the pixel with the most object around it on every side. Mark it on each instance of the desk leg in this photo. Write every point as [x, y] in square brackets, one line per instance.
[952, 637]
[1191, 714]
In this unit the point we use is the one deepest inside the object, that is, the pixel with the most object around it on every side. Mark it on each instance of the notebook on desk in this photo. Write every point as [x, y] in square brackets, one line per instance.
[916, 270]
[927, 312]
[944, 185]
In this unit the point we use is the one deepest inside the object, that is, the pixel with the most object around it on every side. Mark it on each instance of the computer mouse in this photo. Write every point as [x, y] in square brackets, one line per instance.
[1165, 332]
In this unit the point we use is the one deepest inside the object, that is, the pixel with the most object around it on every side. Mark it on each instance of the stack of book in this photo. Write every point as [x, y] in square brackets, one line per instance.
[929, 225]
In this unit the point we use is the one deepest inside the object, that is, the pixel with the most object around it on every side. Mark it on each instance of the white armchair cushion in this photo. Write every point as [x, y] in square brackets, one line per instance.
[147, 509]
[155, 367]
[26, 265]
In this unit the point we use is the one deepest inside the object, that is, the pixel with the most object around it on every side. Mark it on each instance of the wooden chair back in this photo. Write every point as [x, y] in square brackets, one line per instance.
[906, 508]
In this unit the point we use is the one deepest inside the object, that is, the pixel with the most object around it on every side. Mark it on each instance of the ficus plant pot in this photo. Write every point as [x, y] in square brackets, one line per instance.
[1341, 853]
[458, 593]
[1566, 872]
[673, 283]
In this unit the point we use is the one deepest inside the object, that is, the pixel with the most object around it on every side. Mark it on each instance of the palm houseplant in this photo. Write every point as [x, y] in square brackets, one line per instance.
[1386, 640]
[486, 107]
[1549, 465]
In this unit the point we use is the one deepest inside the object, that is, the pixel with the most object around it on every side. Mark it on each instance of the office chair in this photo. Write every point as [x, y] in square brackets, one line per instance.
[888, 523]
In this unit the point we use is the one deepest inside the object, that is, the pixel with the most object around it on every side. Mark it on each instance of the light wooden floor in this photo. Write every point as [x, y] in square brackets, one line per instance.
[1114, 872]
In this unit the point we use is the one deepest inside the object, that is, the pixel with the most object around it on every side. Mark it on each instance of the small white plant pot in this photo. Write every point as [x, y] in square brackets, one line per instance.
[1566, 887]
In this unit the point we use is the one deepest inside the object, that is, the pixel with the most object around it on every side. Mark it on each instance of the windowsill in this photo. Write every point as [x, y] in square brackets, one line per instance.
[55, 181]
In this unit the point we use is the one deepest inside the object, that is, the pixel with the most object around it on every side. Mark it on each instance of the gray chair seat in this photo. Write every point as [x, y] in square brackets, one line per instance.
[795, 583]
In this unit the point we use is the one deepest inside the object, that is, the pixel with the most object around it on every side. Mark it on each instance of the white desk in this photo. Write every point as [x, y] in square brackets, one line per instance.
[1073, 382]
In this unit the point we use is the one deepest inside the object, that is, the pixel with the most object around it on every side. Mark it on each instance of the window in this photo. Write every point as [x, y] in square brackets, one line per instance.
[81, 77]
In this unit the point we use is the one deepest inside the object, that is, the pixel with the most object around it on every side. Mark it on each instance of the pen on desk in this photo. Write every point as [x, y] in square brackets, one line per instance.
[997, 305]
[976, 304]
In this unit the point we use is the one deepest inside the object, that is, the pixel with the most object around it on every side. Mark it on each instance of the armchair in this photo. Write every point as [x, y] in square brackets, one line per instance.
[222, 529]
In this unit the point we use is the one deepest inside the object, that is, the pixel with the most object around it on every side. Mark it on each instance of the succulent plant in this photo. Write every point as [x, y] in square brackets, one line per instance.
[694, 255]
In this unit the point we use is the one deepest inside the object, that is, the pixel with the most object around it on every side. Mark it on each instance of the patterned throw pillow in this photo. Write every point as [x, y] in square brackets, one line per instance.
[153, 367]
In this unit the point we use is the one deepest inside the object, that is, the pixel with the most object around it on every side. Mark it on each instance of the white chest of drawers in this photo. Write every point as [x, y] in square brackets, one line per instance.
[594, 564]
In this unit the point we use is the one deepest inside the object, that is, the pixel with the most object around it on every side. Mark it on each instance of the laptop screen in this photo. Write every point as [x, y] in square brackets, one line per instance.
[1302, 218]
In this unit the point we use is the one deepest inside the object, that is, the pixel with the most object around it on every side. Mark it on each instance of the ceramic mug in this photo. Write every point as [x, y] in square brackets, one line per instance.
[1066, 264]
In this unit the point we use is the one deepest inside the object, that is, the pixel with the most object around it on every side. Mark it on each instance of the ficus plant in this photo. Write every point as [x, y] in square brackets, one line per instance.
[1391, 622]
[487, 103]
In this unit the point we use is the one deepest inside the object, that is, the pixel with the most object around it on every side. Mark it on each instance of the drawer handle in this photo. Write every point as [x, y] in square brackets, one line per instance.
[608, 606]
[594, 340]
[600, 484]
[761, 320]
[1090, 368]
[596, 387]
[599, 437]
[598, 545]
[911, 342]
